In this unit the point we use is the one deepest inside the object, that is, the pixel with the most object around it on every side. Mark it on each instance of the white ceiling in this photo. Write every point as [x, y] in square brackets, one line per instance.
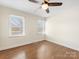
[26, 6]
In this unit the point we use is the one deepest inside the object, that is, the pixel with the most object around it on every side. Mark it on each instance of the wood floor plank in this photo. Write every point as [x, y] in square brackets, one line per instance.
[40, 50]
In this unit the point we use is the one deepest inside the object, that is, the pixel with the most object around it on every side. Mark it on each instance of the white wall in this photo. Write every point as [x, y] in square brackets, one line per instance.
[30, 27]
[63, 27]
[0, 30]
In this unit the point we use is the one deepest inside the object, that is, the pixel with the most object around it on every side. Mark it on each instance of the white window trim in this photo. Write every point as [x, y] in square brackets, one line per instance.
[23, 20]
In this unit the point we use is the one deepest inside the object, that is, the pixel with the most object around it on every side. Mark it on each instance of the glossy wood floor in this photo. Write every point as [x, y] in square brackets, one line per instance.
[40, 50]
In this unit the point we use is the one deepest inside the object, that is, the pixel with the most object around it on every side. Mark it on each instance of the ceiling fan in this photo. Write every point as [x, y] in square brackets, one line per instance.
[45, 4]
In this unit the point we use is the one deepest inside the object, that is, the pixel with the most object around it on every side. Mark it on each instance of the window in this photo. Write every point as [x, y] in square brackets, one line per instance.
[41, 26]
[16, 26]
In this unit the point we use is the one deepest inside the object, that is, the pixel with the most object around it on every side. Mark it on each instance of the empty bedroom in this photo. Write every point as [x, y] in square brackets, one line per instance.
[39, 29]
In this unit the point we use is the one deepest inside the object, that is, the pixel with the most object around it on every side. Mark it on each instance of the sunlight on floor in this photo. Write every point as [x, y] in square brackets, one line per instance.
[20, 55]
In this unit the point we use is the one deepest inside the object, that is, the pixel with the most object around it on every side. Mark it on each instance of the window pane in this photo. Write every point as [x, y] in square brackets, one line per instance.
[41, 26]
[16, 25]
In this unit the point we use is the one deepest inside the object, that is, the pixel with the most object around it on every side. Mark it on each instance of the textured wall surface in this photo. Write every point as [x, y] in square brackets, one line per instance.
[63, 26]
[31, 31]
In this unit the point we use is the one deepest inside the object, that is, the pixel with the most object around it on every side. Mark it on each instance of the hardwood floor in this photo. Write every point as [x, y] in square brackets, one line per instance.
[40, 50]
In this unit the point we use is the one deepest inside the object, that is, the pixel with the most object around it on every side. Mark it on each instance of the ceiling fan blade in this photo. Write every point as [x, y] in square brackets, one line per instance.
[55, 4]
[47, 10]
[33, 1]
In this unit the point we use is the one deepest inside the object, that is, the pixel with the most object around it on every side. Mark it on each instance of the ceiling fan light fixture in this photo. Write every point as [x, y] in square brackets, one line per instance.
[45, 6]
